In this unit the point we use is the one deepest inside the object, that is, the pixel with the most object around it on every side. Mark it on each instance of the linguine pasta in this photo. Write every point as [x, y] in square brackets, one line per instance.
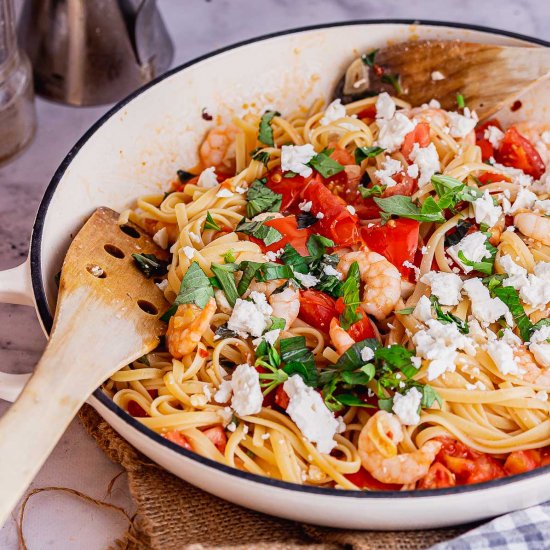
[464, 371]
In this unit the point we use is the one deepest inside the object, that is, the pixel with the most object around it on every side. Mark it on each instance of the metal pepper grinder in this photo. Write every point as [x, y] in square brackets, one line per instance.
[91, 52]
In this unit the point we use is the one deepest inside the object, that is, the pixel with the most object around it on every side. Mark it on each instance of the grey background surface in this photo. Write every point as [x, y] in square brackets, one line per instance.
[59, 521]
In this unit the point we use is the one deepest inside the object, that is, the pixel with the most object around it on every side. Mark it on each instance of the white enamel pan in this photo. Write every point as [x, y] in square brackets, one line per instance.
[136, 149]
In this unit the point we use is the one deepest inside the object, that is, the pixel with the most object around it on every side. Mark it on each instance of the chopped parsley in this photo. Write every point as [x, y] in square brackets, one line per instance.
[265, 134]
[326, 166]
[404, 207]
[210, 223]
[259, 230]
[261, 198]
[351, 297]
[362, 153]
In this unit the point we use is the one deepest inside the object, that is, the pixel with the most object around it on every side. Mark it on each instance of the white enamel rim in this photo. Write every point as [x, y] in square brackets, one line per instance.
[239, 486]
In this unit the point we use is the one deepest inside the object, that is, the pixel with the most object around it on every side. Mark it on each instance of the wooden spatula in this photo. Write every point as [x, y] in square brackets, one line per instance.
[107, 316]
[486, 75]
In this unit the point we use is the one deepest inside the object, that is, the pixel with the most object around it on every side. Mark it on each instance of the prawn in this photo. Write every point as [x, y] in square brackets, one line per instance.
[340, 338]
[286, 305]
[382, 281]
[217, 149]
[377, 448]
[532, 372]
[186, 327]
[533, 226]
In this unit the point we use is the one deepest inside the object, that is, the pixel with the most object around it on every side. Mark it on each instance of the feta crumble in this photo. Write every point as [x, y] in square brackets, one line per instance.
[423, 309]
[163, 285]
[437, 75]
[306, 279]
[406, 407]
[485, 309]
[502, 355]
[294, 158]
[486, 211]
[247, 393]
[415, 269]
[525, 199]
[461, 125]
[367, 354]
[412, 171]
[473, 247]
[271, 336]
[427, 160]
[332, 272]
[543, 206]
[308, 411]
[390, 167]
[248, 318]
[189, 251]
[208, 178]
[161, 238]
[534, 288]
[224, 193]
[385, 106]
[273, 256]
[445, 286]
[305, 206]
[393, 131]
[494, 136]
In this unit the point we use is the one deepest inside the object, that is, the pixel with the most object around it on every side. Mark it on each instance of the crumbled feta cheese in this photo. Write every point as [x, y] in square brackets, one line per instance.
[333, 112]
[231, 427]
[541, 353]
[445, 286]
[319, 215]
[390, 167]
[493, 135]
[543, 185]
[438, 343]
[406, 407]
[224, 193]
[525, 200]
[543, 206]
[437, 75]
[161, 238]
[247, 318]
[208, 178]
[267, 216]
[241, 190]
[306, 279]
[207, 392]
[485, 309]
[226, 414]
[385, 106]
[423, 309]
[224, 392]
[461, 125]
[540, 335]
[350, 209]
[96, 271]
[247, 393]
[485, 210]
[503, 356]
[412, 171]
[434, 104]
[265, 436]
[260, 301]
[473, 247]
[271, 336]
[393, 131]
[367, 354]
[305, 206]
[424, 249]
[534, 288]
[163, 285]
[189, 251]
[308, 411]
[416, 270]
[427, 160]
[194, 237]
[272, 256]
[332, 272]
[294, 158]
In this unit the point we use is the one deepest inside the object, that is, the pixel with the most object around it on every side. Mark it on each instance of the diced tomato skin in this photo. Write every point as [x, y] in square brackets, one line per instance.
[420, 134]
[217, 437]
[179, 439]
[364, 480]
[340, 306]
[397, 241]
[288, 227]
[368, 112]
[340, 155]
[338, 223]
[518, 152]
[438, 477]
[362, 329]
[522, 461]
[317, 309]
[153, 393]
[491, 177]
[289, 188]
[135, 410]
[281, 398]
[486, 469]
[405, 186]
[487, 149]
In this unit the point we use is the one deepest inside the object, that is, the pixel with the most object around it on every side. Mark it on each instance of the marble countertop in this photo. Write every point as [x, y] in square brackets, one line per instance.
[61, 521]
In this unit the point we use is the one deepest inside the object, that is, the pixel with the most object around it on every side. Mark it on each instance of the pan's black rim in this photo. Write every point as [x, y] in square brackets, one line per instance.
[46, 317]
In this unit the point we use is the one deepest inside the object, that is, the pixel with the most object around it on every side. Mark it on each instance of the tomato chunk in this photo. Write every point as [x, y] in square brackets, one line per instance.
[362, 329]
[397, 241]
[487, 149]
[288, 227]
[136, 410]
[281, 397]
[289, 188]
[518, 152]
[338, 223]
[420, 134]
[317, 309]
[364, 480]
[405, 186]
[217, 436]
[522, 461]
[179, 439]
[437, 477]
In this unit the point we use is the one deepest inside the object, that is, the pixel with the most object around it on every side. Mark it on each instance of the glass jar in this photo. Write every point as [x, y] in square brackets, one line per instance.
[17, 114]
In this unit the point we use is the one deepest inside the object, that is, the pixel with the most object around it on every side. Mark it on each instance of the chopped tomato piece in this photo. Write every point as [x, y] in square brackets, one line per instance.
[340, 155]
[338, 223]
[486, 468]
[364, 480]
[289, 188]
[437, 477]
[179, 439]
[420, 135]
[368, 112]
[281, 397]
[522, 461]
[397, 241]
[518, 152]
[288, 227]
[317, 309]
[405, 186]
[487, 149]
[217, 436]
[362, 329]
[491, 177]
[135, 410]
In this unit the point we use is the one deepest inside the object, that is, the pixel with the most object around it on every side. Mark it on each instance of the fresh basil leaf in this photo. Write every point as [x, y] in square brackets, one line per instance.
[261, 198]
[402, 206]
[184, 176]
[306, 219]
[374, 191]
[362, 153]
[351, 400]
[326, 166]
[291, 258]
[227, 281]
[509, 295]
[429, 397]
[265, 134]
[486, 266]
[351, 359]
[392, 79]
[261, 272]
[452, 191]
[460, 102]
[307, 370]
[405, 311]
[462, 228]
[210, 223]
[195, 289]
[368, 58]
[351, 296]
[361, 377]
[386, 404]
[259, 230]
[144, 360]
[295, 349]
[290, 174]
[494, 281]
[261, 156]
[317, 245]
[448, 318]
[397, 357]
[277, 323]
[150, 265]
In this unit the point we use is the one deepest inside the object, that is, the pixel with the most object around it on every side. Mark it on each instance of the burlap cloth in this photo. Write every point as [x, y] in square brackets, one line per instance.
[172, 514]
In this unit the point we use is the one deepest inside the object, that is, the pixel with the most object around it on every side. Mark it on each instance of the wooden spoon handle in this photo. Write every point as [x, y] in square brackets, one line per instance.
[33, 425]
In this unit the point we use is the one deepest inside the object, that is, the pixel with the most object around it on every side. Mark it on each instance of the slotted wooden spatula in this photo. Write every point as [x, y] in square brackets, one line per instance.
[486, 75]
[107, 316]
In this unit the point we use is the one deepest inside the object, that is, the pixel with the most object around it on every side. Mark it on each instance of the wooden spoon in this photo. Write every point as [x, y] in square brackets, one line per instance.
[486, 75]
[107, 316]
